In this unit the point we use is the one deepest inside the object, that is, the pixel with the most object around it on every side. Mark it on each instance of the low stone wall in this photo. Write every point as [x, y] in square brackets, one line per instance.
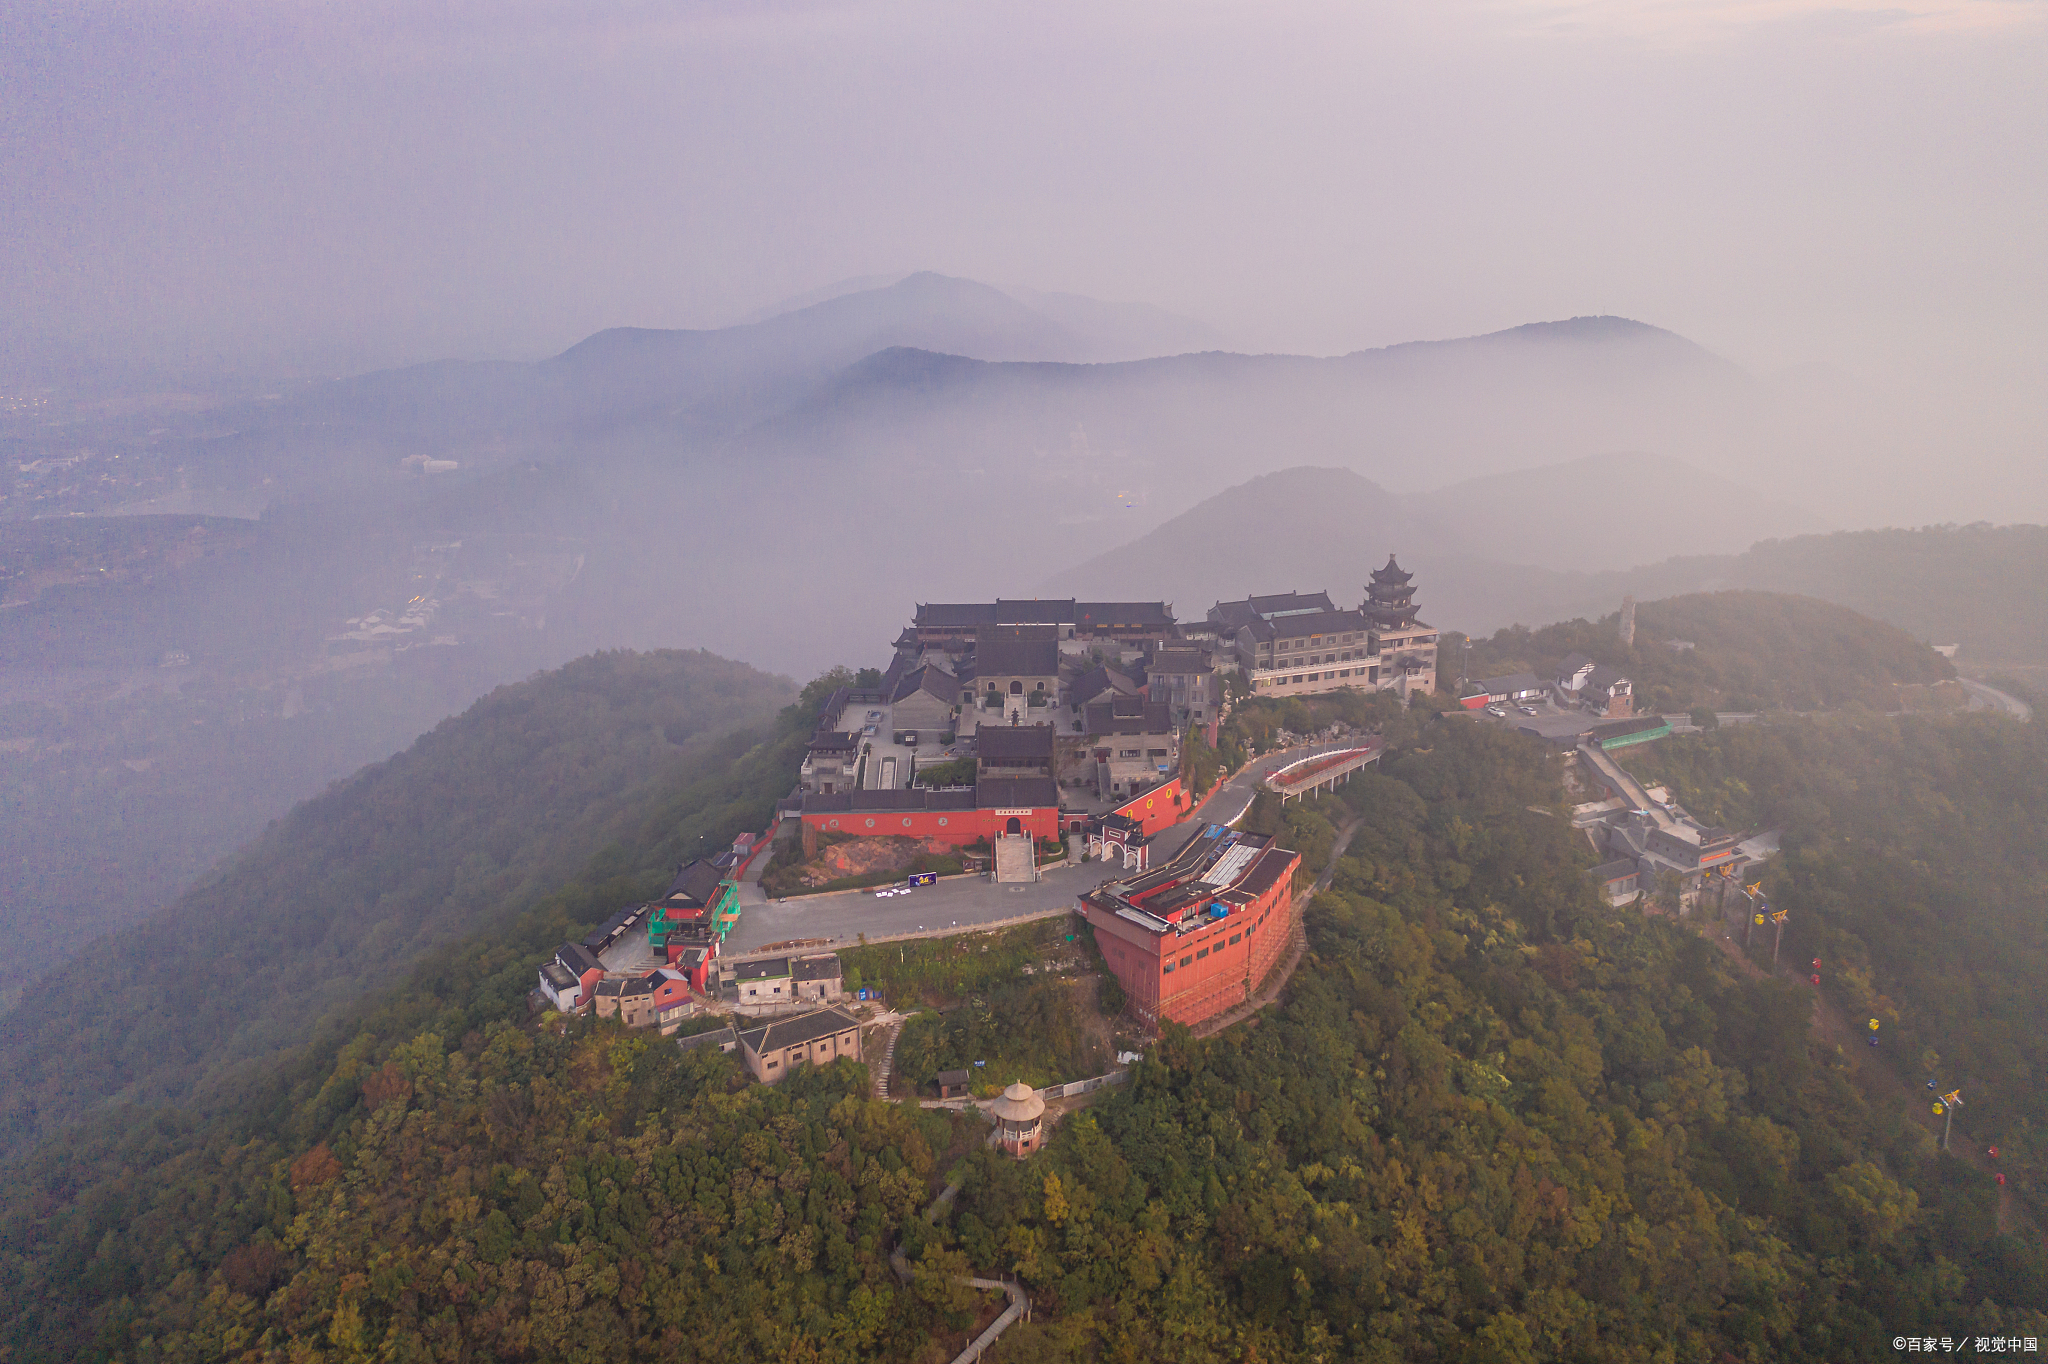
[1088, 1086]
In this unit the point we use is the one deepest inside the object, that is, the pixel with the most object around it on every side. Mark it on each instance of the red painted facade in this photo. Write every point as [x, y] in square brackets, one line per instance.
[959, 827]
[1160, 808]
[694, 961]
[669, 990]
[1177, 959]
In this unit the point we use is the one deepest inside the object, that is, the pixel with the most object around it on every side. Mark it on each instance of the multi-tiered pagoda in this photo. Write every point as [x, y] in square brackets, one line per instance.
[1390, 600]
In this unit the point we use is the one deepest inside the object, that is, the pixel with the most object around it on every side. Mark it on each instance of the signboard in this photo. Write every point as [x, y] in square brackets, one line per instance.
[1001, 813]
[925, 878]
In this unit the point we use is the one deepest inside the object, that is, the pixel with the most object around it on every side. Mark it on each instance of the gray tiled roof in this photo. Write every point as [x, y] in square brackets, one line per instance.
[1237, 613]
[1098, 680]
[1017, 658]
[1129, 715]
[1016, 793]
[941, 615]
[791, 1032]
[1126, 615]
[929, 678]
[1010, 742]
[696, 884]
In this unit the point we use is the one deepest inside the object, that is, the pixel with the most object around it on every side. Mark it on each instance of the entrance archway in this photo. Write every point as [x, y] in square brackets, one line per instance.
[1016, 689]
[1015, 826]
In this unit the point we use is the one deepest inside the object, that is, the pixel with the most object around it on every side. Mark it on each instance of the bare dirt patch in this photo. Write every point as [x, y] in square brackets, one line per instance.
[867, 856]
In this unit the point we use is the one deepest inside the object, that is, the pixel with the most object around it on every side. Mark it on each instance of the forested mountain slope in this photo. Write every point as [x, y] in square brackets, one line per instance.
[1916, 870]
[1494, 1120]
[1751, 651]
[1982, 586]
[479, 818]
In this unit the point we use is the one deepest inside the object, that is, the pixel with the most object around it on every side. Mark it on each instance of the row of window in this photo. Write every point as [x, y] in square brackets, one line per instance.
[1351, 638]
[1235, 939]
[801, 1052]
[1310, 677]
[1312, 660]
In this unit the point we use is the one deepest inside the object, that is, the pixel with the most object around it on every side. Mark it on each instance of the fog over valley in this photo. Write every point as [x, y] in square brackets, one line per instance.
[323, 572]
[910, 682]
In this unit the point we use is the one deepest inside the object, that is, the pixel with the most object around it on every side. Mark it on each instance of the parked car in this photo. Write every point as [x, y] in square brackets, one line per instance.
[1497, 712]
[1528, 710]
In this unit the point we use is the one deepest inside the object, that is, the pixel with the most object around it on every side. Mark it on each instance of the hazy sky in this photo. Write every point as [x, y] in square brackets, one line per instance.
[277, 184]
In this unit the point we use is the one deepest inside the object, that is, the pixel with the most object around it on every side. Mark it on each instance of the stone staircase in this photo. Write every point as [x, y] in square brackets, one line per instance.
[1016, 861]
[886, 1066]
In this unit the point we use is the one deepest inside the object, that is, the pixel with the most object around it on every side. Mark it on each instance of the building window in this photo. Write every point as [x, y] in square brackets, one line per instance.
[1236, 938]
[1187, 961]
[1203, 953]
[1169, 968]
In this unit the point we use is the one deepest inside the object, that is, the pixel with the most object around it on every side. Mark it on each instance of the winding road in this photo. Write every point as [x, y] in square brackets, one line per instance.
[1991, 698]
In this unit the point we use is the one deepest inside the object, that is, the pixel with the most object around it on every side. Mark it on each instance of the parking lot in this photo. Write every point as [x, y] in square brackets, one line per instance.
[1551, 720]
[952, 903]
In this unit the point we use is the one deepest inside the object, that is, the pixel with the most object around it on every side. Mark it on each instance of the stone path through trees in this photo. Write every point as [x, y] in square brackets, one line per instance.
[1880, 1079]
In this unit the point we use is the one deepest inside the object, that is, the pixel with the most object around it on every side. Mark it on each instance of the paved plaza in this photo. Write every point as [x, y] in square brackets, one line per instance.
[952, 903]
[961, 902]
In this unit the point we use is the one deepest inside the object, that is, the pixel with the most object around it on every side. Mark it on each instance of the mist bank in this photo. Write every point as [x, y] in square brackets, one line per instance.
[1981, 587]
[785, 491]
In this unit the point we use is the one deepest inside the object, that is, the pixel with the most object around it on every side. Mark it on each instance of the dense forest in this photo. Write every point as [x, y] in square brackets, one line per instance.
[1915, 869]
[1497, 1121]
[1494, 1119]
[1752, 651]
[481, 817]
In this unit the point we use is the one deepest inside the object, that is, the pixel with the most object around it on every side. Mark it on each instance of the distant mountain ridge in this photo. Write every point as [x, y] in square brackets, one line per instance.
[1487, 550]
[1982, 587]
[1607, 511]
